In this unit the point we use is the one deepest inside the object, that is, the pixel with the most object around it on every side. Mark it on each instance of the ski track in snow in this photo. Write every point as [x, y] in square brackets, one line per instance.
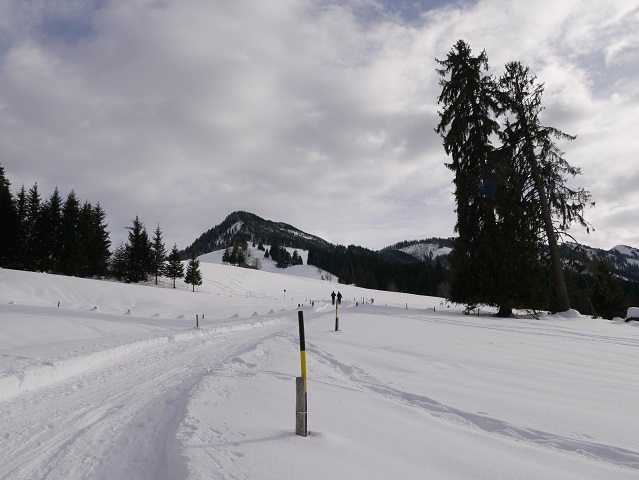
[160, 401]
[120, 416]
[609, 453]
[357, 378]
[531, 326]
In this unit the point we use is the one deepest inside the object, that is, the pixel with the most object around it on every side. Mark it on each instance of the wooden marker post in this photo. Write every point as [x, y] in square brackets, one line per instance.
[301, 427]
[336, 317]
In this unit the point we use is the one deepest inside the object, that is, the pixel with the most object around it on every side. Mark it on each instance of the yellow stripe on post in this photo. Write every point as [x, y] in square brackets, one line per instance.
[303, 359]
[300, 316]
[301, 421]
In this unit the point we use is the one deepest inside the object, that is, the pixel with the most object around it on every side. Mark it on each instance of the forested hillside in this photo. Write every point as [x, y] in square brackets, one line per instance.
[70, 237]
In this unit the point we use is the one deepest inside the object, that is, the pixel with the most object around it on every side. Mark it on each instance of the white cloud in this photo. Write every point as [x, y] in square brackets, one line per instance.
[301, 111]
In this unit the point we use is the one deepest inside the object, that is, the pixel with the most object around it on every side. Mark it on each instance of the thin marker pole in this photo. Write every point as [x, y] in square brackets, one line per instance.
[300, 317]
[301, 395]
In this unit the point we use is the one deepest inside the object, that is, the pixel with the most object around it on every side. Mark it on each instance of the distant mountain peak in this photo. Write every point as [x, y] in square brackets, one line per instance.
[422, 250]
[627, 251]
[246, 226]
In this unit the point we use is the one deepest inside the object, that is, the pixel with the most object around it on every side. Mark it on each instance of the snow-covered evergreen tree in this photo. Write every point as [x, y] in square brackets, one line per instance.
[193, 274]
[174, 267]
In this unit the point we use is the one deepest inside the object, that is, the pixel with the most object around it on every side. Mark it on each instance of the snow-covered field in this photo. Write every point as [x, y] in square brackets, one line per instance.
[116, 383]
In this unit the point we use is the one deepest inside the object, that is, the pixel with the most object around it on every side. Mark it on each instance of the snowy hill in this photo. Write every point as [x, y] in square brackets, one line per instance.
[623, 260]
[248, 227]
[104, 380]
[426, 251]
[630, 255]
[267, 264]
[251, 228]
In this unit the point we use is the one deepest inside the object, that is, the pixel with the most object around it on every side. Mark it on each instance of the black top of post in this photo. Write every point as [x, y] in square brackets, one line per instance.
[300, 317]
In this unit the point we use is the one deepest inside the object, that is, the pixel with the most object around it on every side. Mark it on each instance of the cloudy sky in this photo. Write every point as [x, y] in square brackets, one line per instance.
[317, 113]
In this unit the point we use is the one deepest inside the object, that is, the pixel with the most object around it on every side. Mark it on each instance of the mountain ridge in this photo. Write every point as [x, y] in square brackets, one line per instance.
[249, 227]
[245, 226]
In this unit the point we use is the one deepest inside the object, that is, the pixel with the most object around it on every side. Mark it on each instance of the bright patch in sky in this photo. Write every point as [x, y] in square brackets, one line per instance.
[318, 114]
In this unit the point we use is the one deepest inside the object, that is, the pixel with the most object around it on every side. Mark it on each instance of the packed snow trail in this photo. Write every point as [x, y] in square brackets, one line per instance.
[87, 391]
[119, 419]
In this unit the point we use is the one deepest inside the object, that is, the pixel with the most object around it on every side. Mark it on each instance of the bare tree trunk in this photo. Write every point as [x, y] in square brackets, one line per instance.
[555, 257]
[521, 108]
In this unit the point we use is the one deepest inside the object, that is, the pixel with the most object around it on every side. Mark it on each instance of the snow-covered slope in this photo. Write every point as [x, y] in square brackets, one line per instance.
[626, 250]
[249, 227]
[268, 265]
[116, 382]
[424, 251]
[631, 254]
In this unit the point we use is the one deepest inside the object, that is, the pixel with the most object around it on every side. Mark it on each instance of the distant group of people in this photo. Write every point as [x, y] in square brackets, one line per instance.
[339, 297]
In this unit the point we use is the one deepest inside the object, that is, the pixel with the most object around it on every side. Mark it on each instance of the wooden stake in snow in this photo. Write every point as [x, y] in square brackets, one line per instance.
[300, 386]
[300, 406]
[336, 317]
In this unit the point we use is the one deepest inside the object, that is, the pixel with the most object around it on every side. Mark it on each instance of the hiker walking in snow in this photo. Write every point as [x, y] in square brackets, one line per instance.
[339, 298]
[333, 297]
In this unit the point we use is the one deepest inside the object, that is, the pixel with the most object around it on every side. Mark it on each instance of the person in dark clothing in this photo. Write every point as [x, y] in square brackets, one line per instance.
[333, 297]
[339, 298]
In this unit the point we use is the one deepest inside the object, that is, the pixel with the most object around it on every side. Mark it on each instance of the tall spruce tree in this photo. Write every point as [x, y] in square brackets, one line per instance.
[507, 196]
[240, 256]
[53, 235]
[118, 263]
[535, 156]
[606, 293]
[8, 223]
[193, 275]
[174, 267]
[69, 233]
[139, 255]
[80, 259]
[158, 254]
[34, 241]
[296, 259]
[467, 126]
[51, 228]
[21, 212]
[98, 243]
